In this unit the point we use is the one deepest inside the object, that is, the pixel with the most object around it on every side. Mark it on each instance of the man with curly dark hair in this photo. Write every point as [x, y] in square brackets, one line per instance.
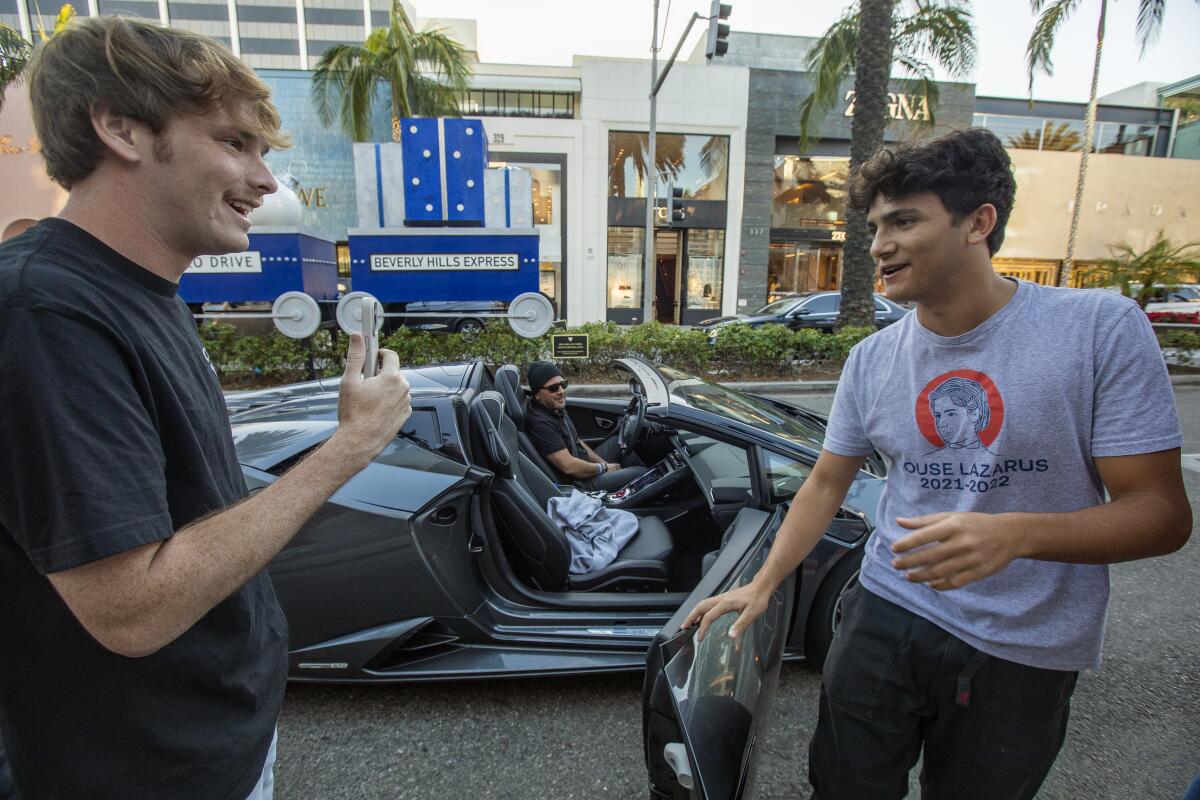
[984, 586]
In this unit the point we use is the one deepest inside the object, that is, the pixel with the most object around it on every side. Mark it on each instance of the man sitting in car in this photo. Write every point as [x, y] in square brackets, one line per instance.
[550, 429]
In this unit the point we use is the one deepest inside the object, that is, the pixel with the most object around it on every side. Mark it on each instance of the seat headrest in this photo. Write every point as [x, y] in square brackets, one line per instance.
[508, 383]
[487, 411]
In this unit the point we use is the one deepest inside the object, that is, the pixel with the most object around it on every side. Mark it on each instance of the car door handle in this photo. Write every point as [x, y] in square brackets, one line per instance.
[603, 423]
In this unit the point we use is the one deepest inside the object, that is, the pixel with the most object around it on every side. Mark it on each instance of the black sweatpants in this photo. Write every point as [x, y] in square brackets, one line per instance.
[631, 466]
[895, 683]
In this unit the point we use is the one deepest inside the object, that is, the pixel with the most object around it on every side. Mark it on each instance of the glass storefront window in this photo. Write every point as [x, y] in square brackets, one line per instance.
[626, 252]
[705, 268]
[696, 163]
[501, 103]
[1130, 140]
[1060, 134]
[547, 188]
[1018, 133]
[809, 192]
[794, 267]
[548, 280]
[1038, 133]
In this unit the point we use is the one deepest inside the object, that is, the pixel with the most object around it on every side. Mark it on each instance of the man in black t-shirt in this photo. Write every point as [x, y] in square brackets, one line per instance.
[142, 650]
[550, 429]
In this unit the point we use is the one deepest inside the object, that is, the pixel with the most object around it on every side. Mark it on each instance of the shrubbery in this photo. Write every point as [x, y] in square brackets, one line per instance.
[740, 352]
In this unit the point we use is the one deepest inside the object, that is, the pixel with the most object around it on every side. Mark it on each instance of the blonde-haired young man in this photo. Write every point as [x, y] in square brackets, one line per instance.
[142, 650]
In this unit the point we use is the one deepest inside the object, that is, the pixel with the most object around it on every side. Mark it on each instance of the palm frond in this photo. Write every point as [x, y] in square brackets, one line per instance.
[830, 61]
[922, 81]
[343, 87]
[14, 57]
[942, 31]
[347, 77]
[1149, 23]
[438, 53]
[1041, 41]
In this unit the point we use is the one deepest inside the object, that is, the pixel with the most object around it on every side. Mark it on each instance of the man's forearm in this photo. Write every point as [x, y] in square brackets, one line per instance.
[1125, 529]
[584, 469]
[183, 577]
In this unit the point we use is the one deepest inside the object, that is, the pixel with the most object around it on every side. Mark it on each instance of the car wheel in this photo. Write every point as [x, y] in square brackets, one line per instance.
[468, 326]
[826, 613]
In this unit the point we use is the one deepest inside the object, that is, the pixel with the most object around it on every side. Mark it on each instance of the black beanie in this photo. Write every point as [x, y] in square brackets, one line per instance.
[540, 373]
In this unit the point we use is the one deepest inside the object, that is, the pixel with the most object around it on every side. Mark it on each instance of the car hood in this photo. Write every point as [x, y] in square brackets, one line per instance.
[749, 319]
[237, 402]
[263, 445]
[711, 321]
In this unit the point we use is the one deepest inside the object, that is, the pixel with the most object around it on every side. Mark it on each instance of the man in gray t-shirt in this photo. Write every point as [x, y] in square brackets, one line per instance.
[1005, 411]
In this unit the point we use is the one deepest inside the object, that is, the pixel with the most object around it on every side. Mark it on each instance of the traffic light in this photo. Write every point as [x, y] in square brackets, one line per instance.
[718, 32]
[675, 210]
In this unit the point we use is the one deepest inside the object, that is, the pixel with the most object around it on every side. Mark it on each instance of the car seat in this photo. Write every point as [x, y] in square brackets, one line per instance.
[519, 496]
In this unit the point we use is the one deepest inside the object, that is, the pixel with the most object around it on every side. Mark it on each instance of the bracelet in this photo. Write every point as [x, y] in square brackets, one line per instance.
[601, 468]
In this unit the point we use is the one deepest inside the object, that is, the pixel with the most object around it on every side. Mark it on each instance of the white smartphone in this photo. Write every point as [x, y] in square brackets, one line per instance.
[370, 334]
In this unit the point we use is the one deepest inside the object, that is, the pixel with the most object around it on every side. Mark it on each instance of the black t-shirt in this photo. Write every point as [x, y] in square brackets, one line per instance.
[114, 436]
[551, 431]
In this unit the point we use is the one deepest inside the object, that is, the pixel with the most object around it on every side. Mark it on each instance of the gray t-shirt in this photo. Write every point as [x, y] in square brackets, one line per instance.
[1006, 417]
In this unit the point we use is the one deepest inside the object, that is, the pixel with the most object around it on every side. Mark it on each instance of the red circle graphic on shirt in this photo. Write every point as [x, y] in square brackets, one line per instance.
[925, 420]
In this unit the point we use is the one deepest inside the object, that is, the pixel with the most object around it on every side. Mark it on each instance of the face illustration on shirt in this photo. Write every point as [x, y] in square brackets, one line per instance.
[960, 410]
[955, 424]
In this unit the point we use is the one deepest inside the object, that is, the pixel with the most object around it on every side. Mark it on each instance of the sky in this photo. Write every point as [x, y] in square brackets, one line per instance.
[552, 31]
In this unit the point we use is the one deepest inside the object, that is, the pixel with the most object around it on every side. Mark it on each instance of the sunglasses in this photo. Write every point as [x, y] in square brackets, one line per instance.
[556, 388]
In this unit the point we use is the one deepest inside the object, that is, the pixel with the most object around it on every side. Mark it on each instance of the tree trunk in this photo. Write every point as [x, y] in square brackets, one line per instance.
[395, 129]
[1089, 136]
[874, 61]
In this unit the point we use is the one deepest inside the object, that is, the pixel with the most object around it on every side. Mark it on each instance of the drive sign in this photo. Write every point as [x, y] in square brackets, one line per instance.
[250, 261]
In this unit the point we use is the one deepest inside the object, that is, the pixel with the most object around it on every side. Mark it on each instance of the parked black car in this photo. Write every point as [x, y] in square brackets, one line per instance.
[438, 561]
[451, 316]
[808, 310]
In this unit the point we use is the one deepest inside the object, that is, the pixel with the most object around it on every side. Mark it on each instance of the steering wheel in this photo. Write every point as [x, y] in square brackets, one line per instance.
[630, 430]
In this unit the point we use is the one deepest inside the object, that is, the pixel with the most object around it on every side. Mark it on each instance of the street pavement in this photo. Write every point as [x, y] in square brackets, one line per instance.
[1134, 731]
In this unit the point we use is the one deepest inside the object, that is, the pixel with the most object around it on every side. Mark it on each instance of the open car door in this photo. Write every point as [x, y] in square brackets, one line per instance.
[705, 704]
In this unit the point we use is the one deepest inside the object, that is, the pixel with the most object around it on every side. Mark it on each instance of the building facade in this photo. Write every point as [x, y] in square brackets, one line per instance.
[763, 216]
[794, 219]
[281, 34]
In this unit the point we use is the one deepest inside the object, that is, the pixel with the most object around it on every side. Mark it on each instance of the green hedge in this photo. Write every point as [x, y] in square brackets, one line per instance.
[740, 352]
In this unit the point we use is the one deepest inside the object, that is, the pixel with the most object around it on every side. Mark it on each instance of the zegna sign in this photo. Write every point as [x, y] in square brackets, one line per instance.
[901, 106]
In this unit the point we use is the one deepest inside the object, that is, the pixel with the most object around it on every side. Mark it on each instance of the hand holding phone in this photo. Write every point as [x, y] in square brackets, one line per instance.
[371, 322]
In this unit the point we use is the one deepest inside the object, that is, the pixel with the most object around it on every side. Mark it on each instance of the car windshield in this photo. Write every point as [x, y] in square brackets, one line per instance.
[717, 399]
[779, 306]
[1187, 292]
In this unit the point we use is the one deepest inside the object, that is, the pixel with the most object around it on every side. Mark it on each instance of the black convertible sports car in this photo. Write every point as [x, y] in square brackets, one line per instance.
[439, 561]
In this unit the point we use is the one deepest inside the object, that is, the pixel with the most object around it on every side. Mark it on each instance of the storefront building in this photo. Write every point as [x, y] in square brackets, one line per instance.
[1132, 192]
[762, 218]
[580, 131]
[794, 218]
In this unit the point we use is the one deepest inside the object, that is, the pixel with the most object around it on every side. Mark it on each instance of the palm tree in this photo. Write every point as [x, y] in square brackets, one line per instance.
[867, 40]
[1037, 58]
[427, 74]
[14, 57]
[1162, 262]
